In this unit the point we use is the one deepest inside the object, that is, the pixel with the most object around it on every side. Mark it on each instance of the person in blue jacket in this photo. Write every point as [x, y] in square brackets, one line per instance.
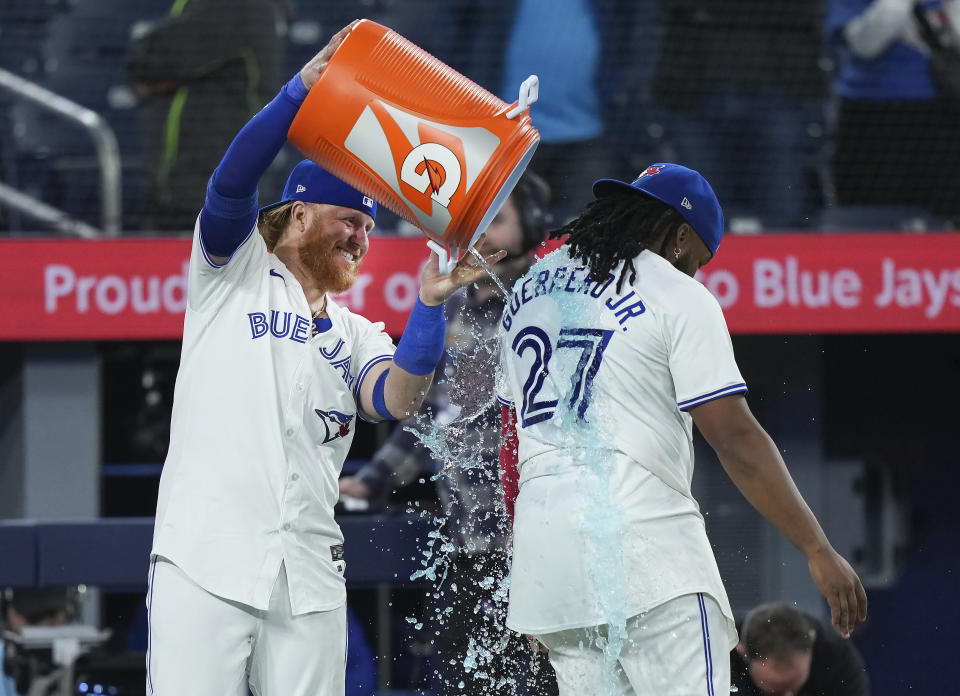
[896, 138]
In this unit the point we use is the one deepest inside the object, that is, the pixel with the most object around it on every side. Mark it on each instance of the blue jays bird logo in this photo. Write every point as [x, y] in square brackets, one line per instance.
[337, 424]
[650, 171]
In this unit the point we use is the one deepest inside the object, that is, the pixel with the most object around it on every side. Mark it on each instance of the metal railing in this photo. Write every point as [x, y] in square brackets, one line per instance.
[108, 155]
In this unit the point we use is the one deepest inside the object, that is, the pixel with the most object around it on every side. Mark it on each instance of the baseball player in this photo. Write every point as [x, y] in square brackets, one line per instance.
[610, 350]
[246, 575]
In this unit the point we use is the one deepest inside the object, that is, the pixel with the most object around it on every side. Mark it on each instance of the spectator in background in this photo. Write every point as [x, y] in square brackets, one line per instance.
[577, 49]
[896, 139]
[22, 608]
[738, 81]
[466, 606]
[201, 72]
[784, 652]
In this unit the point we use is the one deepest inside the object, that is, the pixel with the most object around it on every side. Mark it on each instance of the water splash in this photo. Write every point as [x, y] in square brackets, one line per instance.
[452, 439]
[493, 276]
[461, 442]
[585, 439]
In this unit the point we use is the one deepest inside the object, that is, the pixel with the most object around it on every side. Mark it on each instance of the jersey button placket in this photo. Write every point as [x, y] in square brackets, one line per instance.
[297, 397]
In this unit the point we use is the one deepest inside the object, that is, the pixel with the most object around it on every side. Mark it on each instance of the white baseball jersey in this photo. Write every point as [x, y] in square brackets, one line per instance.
[601, 381]
[263, 417]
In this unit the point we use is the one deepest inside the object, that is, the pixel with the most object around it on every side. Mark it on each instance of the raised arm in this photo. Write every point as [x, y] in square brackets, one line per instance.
[394, 389]
[752, 461]
[230, 209]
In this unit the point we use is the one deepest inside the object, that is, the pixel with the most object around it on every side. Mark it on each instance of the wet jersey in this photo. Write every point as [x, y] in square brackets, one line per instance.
[601, 381]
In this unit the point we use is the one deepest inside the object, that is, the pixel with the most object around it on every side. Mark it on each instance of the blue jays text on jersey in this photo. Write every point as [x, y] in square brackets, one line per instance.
[563, 279]
[297, 328]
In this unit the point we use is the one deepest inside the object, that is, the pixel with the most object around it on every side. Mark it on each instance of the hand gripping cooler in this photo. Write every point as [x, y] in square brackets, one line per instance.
[423, 140]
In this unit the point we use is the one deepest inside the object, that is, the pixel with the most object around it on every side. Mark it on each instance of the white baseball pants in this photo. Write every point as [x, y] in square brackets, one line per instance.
[201, 644]
[679, 648]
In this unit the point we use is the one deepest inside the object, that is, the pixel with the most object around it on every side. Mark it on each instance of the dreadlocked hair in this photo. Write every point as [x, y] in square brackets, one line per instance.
[617, 228]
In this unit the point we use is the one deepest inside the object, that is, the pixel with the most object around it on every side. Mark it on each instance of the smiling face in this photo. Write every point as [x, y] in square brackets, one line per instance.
[329, 241]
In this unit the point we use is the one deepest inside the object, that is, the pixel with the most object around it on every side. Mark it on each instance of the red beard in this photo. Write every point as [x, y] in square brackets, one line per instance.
[327, 273]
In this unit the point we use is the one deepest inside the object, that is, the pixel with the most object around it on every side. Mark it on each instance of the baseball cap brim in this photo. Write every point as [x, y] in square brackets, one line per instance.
[604, 187]
[266, 208]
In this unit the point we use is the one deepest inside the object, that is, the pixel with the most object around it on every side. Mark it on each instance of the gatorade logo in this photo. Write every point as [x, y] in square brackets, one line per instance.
[432, 169]
[430, 166]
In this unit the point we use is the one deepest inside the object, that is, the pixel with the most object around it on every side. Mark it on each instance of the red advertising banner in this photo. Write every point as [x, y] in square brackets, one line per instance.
[775, 284]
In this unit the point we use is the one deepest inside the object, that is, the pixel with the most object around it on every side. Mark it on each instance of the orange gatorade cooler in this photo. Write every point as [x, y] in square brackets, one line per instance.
[406, 129]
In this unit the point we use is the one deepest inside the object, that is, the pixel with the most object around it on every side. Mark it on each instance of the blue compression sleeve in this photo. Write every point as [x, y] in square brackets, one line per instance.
[230, 209]
[379, 401]
[421, 345]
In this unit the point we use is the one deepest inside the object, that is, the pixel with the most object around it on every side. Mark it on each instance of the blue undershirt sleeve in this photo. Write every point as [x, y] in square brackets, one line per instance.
[230, 209]
[421, 344]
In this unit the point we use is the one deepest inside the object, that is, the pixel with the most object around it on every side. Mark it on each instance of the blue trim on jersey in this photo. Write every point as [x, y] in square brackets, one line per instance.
[211, 262]
[716, 394]
[153, 585]
[362, 375]
[504, 402]
[707, 654]
[222, 216]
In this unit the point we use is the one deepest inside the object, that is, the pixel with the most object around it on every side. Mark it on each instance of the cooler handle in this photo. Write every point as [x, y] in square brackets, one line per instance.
[529, 91]
[448, 261]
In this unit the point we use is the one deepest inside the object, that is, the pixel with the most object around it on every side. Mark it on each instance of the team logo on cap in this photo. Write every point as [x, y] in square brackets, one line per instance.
[367, 201]
[686, 203]
[301, 188]
[649, 171]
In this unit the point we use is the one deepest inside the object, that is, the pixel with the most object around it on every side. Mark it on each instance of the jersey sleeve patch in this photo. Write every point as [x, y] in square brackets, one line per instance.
[710, 396]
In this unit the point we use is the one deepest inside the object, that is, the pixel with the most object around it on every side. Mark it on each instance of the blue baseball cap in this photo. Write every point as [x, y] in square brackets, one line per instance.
[684, 190]
[313, 184]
